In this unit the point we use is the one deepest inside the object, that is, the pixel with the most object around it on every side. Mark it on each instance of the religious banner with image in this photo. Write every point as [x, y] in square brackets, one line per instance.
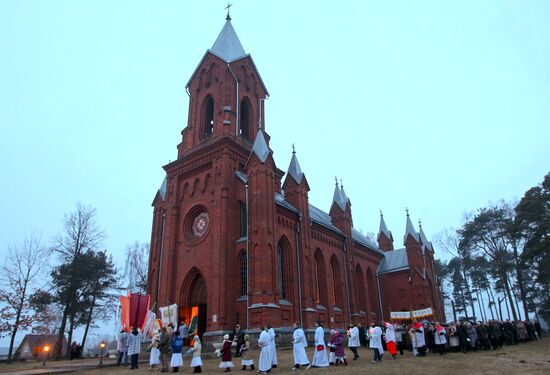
[407, 315]
[169, 315]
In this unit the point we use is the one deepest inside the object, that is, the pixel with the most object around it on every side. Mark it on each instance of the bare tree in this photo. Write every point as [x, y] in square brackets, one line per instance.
[80, 234]
[21, 270]
[136, 267]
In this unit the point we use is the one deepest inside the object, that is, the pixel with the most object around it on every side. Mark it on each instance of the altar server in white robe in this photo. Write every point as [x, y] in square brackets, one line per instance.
[375, 342]
[272, 346]
[264, 365]
[299, 344]
[420, 339]
[353, 340]
[320, 358]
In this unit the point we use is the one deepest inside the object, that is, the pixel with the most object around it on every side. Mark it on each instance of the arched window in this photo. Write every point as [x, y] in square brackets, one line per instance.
[244, 119]
[337, 282]
[281, 274]
[208, 116]
[243, 227]
[284, 277]
[371, 291]
[360, 283]
[244, 273]
[320, 279]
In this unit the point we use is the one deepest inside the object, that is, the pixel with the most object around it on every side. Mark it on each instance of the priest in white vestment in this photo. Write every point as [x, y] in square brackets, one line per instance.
[420, 339]
[320, 358]
[299, 344]
[264, 365]
[272, 347]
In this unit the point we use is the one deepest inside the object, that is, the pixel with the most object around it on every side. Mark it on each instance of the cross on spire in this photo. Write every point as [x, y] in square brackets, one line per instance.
[419, 224]
[407, 211]
[228, 17]
[381, 214]
[293, 150]
[336, 180]
[342, 183]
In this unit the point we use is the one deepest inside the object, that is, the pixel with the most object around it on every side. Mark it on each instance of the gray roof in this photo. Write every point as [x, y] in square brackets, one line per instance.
[162, 190]
[410, 230]
[364, 240]
[394, 261]
[294, 169]
[320, 217]
[280, 200]
[228, 46]
[260, 147]
[384, 228]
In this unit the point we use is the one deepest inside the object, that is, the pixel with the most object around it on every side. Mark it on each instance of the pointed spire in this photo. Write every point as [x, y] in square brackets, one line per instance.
[345, 198]
[294, 169]
[410, 228]
[162, 190]
[227, 46]
[383, 228]
[427, 244]
[338, 197]
[260, 147]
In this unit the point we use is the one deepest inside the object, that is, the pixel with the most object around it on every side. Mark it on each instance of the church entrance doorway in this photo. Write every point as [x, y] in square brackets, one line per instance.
[193, 308]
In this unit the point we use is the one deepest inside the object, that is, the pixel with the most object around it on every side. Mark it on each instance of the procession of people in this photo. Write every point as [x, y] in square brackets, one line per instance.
[419, 338]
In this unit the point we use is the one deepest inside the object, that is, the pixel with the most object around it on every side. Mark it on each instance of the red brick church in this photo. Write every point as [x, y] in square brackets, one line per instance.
[235, 238]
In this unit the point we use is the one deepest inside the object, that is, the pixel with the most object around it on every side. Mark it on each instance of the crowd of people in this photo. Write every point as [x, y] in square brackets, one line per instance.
[166, 348]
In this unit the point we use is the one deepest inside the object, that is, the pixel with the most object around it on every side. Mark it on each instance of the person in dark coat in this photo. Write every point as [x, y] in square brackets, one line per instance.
[462, 337]
[165, 347]
[238, 338]
[362, 335]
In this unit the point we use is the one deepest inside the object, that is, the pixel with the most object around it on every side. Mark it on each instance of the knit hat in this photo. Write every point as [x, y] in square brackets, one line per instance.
[226, 337]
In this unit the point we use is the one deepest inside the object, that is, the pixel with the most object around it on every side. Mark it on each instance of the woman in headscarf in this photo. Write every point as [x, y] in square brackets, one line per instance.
[154, 358]
[226, 363]
[245, 353]
[196, 362]
[177, 346]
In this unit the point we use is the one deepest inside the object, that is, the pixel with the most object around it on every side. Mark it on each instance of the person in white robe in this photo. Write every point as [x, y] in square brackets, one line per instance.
[272, 347]
[264, 365]
[440, 338]
[320, 358]
[154, 359]
[353, 340]
[375, 342]
[299, 344]
[412, 337]
[420, 339]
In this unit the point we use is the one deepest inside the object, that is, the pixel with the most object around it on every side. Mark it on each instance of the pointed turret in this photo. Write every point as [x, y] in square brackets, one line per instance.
[409, 230]
[425, 243]
[338, 197]
[296, 187]
[294, 169]
[260, 147]
[227, 46]
[345, 198]
[385, 238]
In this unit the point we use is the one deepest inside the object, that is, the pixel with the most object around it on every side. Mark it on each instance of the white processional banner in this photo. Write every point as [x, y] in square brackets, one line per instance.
[169, 315]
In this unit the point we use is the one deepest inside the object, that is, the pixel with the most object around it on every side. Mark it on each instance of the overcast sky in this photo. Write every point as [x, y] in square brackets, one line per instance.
[434, 105]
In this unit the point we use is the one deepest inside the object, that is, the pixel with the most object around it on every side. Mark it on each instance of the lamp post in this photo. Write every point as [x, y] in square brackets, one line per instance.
[102, 346]
[45, 351]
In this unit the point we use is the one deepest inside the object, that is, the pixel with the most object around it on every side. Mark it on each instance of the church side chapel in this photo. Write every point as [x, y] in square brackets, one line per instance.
[236, 240]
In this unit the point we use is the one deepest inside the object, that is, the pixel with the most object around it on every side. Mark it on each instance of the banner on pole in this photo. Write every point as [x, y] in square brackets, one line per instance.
[403, 315]
[169, 315]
